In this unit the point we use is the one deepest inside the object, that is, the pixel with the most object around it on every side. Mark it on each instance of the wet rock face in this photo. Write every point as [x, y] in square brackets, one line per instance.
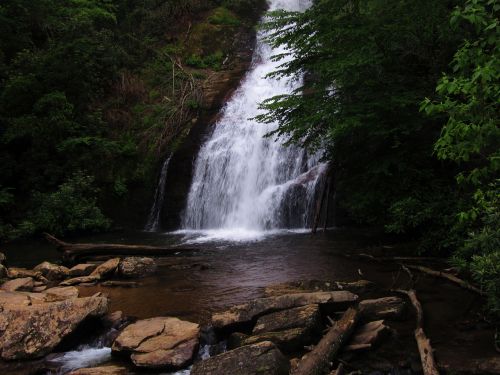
[135, 267]
[162, 342]
[28, 332]
[52, 271]
[262, 358]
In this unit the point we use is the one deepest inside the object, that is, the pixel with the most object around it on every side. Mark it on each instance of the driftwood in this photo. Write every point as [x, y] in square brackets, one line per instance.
[447, 276]
[318, 361]
[429, 365]
[74, 251]
[367, 336]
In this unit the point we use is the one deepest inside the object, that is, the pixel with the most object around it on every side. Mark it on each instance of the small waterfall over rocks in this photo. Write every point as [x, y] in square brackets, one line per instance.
[243, 180]
[153, 222]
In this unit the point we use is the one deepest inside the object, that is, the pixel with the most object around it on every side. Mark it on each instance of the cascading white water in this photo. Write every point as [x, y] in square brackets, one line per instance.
[154, 214]
[243, 180]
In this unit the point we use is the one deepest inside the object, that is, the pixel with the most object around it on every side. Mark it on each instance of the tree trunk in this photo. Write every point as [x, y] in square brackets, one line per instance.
[73, 251]
[317, 362]
[429, 366]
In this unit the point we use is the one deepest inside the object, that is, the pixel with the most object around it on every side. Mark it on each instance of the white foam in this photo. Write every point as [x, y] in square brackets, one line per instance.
[239, 235]
[88, 357]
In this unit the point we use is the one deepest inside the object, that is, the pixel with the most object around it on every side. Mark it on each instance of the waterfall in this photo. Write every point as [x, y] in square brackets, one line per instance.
[153, 222]
[243, 180]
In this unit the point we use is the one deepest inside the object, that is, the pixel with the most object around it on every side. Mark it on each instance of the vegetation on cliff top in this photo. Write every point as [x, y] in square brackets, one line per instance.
[421, 161]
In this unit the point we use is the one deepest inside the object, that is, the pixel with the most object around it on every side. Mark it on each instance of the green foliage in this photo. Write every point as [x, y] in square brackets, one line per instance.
[213, 61]
[71, 209]
[223, 16]
[469, 99]
[367, 65]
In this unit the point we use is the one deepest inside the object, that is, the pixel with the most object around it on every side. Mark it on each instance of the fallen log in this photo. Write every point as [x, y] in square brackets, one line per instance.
[429, 366]
[447, 276]
[73, 251]
[318, 361]
[367, 336]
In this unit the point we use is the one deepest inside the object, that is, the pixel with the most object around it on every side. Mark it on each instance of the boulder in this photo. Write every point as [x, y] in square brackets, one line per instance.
[4, 273]
[382, 308]
[102, 370]
[83, 269]
[28, 332]
[262, 358]
[358, 287]
[305, 316]
[80, 280]
[106, 269]
[21, 284]
[248, 311]
[135, 267]
[15, 273]
[162, 342]
[52, 271]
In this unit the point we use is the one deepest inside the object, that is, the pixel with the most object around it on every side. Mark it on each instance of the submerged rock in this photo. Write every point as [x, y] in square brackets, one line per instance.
[83, 269]
[22, 284]
[248, 311]
[52, 271]
[161, 342]
[28, 332]
[135, 267]
[262, 358]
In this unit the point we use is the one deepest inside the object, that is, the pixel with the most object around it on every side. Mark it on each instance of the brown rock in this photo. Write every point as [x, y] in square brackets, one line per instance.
[40, 288]
[161, 342]
[135, 267]
[262, 358]
[80, 280]
[33, 331]
[60, 293]
[102, 370]
[106, 269]
[15, 273]
[305, 316]
[358, 287]
[21, 284]
[13, 299]
[52, 271]
[84, 269]
[382, 308]
[248, 311]
[114, 319]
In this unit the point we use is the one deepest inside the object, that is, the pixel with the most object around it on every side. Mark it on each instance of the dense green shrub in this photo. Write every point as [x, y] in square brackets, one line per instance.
[71, 209]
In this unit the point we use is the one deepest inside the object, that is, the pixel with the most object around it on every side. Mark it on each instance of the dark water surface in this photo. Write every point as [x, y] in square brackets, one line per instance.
[220, 274]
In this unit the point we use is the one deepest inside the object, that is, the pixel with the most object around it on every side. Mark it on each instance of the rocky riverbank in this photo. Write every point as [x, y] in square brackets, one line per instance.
[42, 314]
